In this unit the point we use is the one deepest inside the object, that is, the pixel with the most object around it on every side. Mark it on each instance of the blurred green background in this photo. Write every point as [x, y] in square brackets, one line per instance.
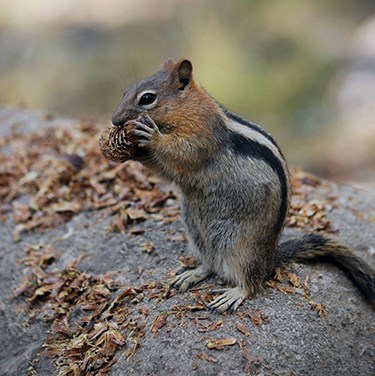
[286, 64]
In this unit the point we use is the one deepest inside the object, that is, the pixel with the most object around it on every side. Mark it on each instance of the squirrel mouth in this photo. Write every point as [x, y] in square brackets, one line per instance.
[118, 123]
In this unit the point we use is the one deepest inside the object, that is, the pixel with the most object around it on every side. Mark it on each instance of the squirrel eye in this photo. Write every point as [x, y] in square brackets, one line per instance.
[146, 99]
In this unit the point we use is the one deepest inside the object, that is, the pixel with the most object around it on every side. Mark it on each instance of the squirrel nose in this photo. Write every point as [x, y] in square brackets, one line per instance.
[119, 117]
[118, 120]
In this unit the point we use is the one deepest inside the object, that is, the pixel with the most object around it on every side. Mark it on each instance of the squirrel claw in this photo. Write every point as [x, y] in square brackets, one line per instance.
[150, 122]
[145, 129]
[229, 301]
[189, 278]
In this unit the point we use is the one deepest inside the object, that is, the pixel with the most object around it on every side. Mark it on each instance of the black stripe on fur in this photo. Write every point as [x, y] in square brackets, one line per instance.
[247, 147]
[253, 126]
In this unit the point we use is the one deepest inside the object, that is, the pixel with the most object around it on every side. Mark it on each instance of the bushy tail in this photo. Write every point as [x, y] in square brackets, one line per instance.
[318, 247]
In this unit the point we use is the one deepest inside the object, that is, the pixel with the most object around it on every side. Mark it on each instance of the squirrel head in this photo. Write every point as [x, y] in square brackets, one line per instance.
[171, 97]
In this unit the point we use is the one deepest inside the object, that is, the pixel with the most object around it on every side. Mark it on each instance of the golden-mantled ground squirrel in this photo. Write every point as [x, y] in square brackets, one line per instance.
[234, 184]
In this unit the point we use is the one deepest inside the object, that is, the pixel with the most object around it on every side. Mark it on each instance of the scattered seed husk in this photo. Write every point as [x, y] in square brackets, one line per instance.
[219, 344]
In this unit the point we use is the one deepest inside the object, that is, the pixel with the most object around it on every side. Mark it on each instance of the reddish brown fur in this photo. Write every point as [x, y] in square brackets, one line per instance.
[185, 124]
[230, 205]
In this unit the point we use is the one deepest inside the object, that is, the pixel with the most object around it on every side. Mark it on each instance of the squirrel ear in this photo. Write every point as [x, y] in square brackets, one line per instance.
[184, 72]
[167, 65]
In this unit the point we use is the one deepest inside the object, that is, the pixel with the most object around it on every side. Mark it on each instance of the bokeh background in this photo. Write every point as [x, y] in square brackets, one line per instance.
[304, 69]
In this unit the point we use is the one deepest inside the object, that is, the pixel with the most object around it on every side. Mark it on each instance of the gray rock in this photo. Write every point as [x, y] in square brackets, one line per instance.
[294, 340]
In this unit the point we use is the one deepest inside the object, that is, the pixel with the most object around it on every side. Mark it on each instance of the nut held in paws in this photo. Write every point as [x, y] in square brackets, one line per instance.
[115, 145]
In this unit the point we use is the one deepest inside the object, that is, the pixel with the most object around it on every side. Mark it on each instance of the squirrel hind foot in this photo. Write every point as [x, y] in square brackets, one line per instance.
[229, 301]
[189, 278]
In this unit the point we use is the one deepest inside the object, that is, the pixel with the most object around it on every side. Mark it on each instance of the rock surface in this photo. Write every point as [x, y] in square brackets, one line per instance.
[283, 335]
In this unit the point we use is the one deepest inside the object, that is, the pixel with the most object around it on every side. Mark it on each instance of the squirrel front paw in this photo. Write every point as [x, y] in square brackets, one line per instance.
[144, 130]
